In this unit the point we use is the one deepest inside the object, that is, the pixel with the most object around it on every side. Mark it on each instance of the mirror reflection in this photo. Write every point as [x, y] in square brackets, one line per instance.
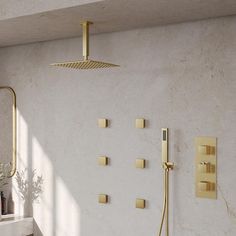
[7, 131]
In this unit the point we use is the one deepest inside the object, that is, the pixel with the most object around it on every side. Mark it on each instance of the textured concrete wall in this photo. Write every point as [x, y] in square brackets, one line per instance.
[178, 76]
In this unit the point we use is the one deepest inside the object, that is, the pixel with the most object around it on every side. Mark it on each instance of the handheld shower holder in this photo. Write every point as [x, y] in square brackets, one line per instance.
[168, 166]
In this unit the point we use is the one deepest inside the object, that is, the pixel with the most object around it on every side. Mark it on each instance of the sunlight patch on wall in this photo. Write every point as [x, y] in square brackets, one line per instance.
[43, 206]
[22, 161]
[56, 212]
[67, 211]
[22, 142]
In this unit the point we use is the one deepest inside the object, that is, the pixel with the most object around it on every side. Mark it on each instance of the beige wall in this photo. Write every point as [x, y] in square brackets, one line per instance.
[178, 76]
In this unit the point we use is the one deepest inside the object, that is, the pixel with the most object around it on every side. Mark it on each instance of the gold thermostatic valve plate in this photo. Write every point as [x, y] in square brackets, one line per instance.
[140, 203]
[206, 167]
[205, 186]
[103, 198]
[206, 149]
[102, 123]
[103, 161]
[140, 163]
[140, 123]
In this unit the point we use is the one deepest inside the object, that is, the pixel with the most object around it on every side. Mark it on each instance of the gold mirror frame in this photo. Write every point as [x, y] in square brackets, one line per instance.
[13, 162]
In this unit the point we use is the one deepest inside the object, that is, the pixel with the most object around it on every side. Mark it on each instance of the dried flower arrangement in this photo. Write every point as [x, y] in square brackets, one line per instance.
[4, 174]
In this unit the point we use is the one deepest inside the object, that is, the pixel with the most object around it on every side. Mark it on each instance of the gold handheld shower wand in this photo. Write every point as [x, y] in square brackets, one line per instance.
[166, 166]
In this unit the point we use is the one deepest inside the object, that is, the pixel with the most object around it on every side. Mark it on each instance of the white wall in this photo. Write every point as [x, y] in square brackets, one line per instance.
[178, 76]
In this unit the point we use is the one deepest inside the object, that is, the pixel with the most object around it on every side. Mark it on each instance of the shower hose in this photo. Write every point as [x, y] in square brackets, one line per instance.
[165, 203]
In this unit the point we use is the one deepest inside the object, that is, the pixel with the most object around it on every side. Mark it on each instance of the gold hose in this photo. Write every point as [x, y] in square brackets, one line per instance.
[165, 204]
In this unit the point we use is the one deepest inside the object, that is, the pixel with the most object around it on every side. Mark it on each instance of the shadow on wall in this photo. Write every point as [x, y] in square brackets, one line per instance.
[29, 189]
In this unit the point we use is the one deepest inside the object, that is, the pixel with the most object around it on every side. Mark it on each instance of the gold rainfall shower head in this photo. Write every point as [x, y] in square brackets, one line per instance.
[85, 63]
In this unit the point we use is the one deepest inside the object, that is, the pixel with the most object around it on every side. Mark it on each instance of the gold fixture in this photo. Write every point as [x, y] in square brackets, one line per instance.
[103, 198]
[206, 167]
[205, 186]
[103, 161]
[206, 149]
[14, 127]
[164, 153]
[140, 163]
[167, 166]
[102, 123]
[140, 203]
[205, 162]
[85, 63]
[140, 123]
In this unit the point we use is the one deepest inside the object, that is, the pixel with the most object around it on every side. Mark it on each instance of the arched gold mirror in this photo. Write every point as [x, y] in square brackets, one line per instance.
[8, 129]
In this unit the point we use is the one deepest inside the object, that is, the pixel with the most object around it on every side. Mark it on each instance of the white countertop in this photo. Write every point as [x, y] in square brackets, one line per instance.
[16, 226]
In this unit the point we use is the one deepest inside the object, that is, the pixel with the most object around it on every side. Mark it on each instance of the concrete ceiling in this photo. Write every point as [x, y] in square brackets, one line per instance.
[110, 15]
[16, 8]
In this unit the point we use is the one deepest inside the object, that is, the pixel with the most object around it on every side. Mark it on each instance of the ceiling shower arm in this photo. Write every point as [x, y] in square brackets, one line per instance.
[85, 26]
